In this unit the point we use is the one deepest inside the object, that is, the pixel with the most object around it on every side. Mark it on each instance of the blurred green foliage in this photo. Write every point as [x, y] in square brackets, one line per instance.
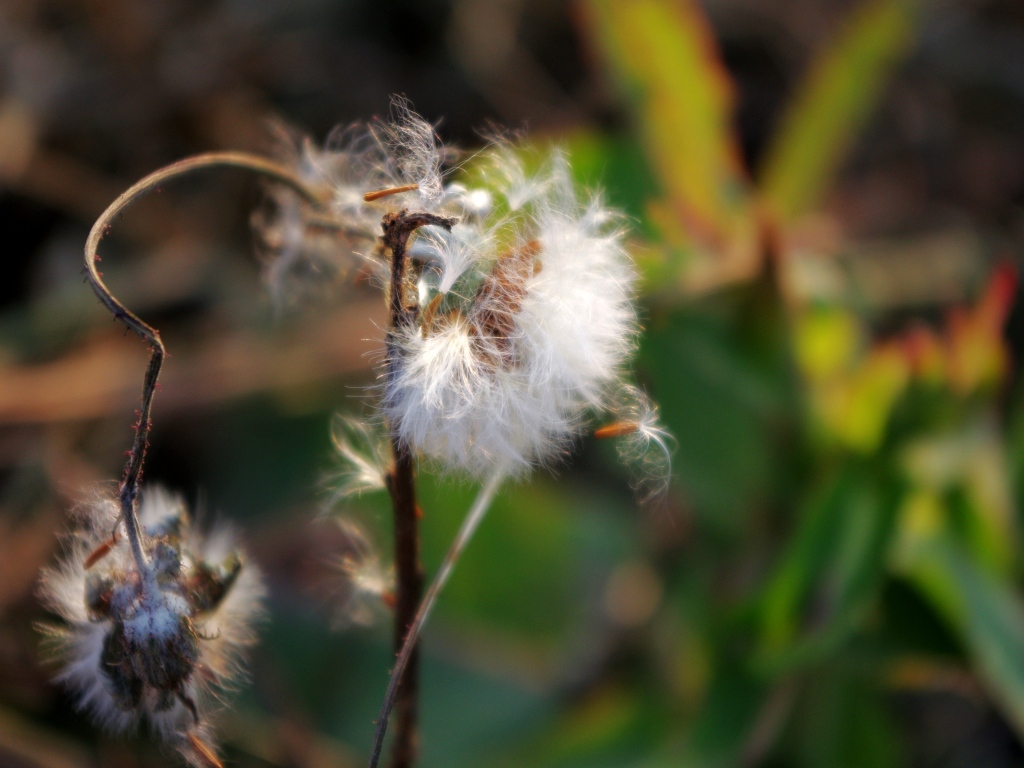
[842, 528]
[843, 525]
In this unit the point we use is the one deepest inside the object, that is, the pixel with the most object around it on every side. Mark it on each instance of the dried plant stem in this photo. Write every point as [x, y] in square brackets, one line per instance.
[403, 312]
[405, 655]
[129, 490]
[409, 589]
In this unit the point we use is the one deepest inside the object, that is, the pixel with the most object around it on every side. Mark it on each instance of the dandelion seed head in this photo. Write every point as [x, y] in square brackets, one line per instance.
[536, 338]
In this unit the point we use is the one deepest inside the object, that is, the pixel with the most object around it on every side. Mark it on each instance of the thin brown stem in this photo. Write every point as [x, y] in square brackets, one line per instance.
[405, 655]
[398, 227]
[129, 490]
[409, 590]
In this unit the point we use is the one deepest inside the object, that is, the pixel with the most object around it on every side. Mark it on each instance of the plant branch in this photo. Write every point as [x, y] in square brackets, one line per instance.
[403, 311]
[405, 655]
[129, 490]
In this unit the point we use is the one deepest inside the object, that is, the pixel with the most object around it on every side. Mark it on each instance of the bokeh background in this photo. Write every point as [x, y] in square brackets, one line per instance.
[828, 210]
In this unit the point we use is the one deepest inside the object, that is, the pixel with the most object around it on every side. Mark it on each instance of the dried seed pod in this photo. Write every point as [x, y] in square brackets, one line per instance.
[150, 646]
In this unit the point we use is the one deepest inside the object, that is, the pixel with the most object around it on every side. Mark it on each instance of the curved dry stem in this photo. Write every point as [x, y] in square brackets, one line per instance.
[476, 513]
[129, 490]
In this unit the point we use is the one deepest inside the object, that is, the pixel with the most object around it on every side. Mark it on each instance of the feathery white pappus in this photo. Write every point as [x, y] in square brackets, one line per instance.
[151, 648]
[363, 587]
[644, 445]
[525, 315]
[307, 251]
[520, 342]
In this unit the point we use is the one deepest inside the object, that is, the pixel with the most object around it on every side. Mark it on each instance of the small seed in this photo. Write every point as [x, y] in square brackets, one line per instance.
[616, 429]
[100, 552]
[204, 751]
[369, 197]
[430, 314]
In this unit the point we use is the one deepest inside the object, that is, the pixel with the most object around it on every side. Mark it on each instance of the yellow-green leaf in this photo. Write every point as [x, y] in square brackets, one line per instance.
[988, 614]
[665, 54]
[833, 103]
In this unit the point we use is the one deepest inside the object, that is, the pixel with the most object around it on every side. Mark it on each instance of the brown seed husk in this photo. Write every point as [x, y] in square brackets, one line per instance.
[499, 300]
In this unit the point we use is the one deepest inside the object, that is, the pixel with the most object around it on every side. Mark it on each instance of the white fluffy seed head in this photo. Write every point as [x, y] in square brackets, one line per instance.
[306, 251]
[451, 404]
[150, 648]
[309, 251]
[526, 319]
[532, 331]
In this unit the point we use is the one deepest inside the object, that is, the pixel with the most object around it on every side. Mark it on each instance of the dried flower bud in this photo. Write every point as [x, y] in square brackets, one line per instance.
[149, 646]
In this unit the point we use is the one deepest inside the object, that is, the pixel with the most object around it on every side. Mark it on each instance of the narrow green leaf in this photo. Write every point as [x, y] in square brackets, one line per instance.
[986, 611]
[833, 570]
[727, 717]
[666, 57]
[831, 106]
[842, 721]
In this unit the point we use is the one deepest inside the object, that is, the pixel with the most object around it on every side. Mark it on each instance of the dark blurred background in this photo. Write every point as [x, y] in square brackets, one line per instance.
[827, 202]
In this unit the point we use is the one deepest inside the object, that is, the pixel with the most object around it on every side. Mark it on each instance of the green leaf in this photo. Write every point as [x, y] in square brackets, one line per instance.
[726, 718]
[841, 720]
[833, 569]
[666, 57]
[986, 612]
[832, 105]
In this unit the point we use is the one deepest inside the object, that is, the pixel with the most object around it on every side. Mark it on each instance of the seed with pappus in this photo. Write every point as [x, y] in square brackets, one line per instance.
[151, 647]
[644, 445]
[519, 295]
[363, 587]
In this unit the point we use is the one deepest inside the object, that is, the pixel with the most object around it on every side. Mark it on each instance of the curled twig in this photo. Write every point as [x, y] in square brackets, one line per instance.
[129, 490]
